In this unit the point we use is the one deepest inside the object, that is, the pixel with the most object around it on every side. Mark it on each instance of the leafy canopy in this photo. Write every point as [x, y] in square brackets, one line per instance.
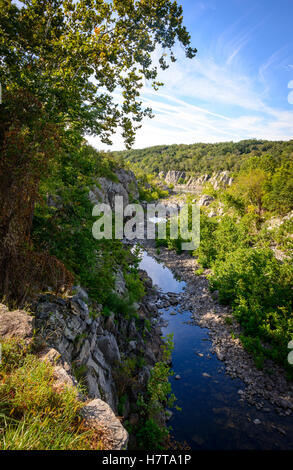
[71, 55]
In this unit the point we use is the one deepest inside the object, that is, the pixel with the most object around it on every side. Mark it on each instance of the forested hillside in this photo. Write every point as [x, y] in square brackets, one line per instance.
[205, 158]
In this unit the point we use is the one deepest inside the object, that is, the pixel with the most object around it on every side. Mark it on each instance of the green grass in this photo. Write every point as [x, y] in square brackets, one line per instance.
[34, 415]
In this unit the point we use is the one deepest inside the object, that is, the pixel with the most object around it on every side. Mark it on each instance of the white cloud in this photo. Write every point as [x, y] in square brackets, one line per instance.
[205, 100]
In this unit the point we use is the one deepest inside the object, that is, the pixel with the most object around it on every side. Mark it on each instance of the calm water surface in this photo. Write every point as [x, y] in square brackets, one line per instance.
[211, 415]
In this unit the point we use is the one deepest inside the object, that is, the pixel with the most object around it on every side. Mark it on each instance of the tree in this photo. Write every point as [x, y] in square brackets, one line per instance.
[61, 61]
[280, 190]
[251, 186]
[71, 55]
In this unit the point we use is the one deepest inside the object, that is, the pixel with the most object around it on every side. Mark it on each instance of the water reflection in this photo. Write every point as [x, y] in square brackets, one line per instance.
[211, 416]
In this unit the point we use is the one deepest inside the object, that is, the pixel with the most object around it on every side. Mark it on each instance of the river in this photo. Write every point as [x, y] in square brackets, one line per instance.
[212, 415]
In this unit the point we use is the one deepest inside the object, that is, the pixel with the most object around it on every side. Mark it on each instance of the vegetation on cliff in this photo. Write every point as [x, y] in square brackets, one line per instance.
[61, 61]
[35, 415]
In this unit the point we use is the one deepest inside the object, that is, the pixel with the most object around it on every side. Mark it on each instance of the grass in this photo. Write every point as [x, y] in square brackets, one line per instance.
[35, 415]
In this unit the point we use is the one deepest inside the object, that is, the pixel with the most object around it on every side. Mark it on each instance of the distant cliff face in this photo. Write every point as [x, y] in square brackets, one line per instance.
[182, 180]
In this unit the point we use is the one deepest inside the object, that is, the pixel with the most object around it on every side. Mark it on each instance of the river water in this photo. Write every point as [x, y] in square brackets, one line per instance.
[211, 415]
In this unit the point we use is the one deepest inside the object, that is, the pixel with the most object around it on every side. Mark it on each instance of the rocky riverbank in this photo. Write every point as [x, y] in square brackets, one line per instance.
[267, 392]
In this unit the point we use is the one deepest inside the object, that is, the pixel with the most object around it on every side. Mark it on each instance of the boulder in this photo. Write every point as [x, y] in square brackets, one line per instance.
[81, 293]
[205, 200]
[16, 324]
[63, 379]
[61, 370]
[50, 355]
[98, 415]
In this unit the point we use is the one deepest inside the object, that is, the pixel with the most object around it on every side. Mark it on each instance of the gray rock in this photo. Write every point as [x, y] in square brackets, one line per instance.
[132, 345]
[16, 324]
[108, 346]
[144, 376]
[84, 310]
[50, 355]
[205, 200]
[120, 286]
[100, 382]
[106, 190]
[81, 293]
[98, 415]
[257, 421]
[63, 379]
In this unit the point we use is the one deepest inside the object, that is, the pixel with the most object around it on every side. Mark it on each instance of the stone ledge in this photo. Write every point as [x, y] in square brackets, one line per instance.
[98, 415]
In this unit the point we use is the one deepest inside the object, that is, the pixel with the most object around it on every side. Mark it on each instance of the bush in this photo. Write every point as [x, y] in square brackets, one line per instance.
[152, 434]
[34, 415]
[260, 290]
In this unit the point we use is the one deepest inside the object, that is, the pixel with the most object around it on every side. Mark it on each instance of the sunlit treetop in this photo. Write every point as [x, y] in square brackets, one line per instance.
[71, 55]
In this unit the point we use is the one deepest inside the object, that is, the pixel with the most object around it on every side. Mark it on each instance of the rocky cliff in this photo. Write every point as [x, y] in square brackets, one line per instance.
[184, 181]
[94, 348]
[124, 185]
[111, 354]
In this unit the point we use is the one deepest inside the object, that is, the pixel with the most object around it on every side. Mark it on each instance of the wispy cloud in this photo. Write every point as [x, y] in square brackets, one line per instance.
[212, 98]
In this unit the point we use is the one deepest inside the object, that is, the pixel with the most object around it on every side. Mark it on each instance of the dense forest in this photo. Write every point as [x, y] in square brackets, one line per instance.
[202, 158]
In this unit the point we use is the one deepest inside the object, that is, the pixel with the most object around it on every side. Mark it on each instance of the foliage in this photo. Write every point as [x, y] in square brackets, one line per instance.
[28, 143]
[149, 187]
[151, 434]
[54, 49]
[279, 195]
[197, 159]
[63, 227]
[34, 415]
[259, 288]
[56, 57]
[250, 185]
[220, 238]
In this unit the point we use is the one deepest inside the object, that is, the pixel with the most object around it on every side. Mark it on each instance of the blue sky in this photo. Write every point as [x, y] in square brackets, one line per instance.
[240, 85]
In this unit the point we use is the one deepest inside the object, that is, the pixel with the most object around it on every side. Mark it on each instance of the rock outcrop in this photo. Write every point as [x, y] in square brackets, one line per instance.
[96, 345]
[16, 324]
[106, 190]
[183, 181]
[81, 343]
[98, 415]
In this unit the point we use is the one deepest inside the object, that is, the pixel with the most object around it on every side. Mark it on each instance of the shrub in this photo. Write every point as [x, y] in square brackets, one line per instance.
[260, 290]
[33, 414]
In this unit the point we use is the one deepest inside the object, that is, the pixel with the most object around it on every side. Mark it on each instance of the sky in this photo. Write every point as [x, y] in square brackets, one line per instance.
[239, 86]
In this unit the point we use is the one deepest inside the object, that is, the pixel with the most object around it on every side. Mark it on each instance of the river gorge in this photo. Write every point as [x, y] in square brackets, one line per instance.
[214, 412]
